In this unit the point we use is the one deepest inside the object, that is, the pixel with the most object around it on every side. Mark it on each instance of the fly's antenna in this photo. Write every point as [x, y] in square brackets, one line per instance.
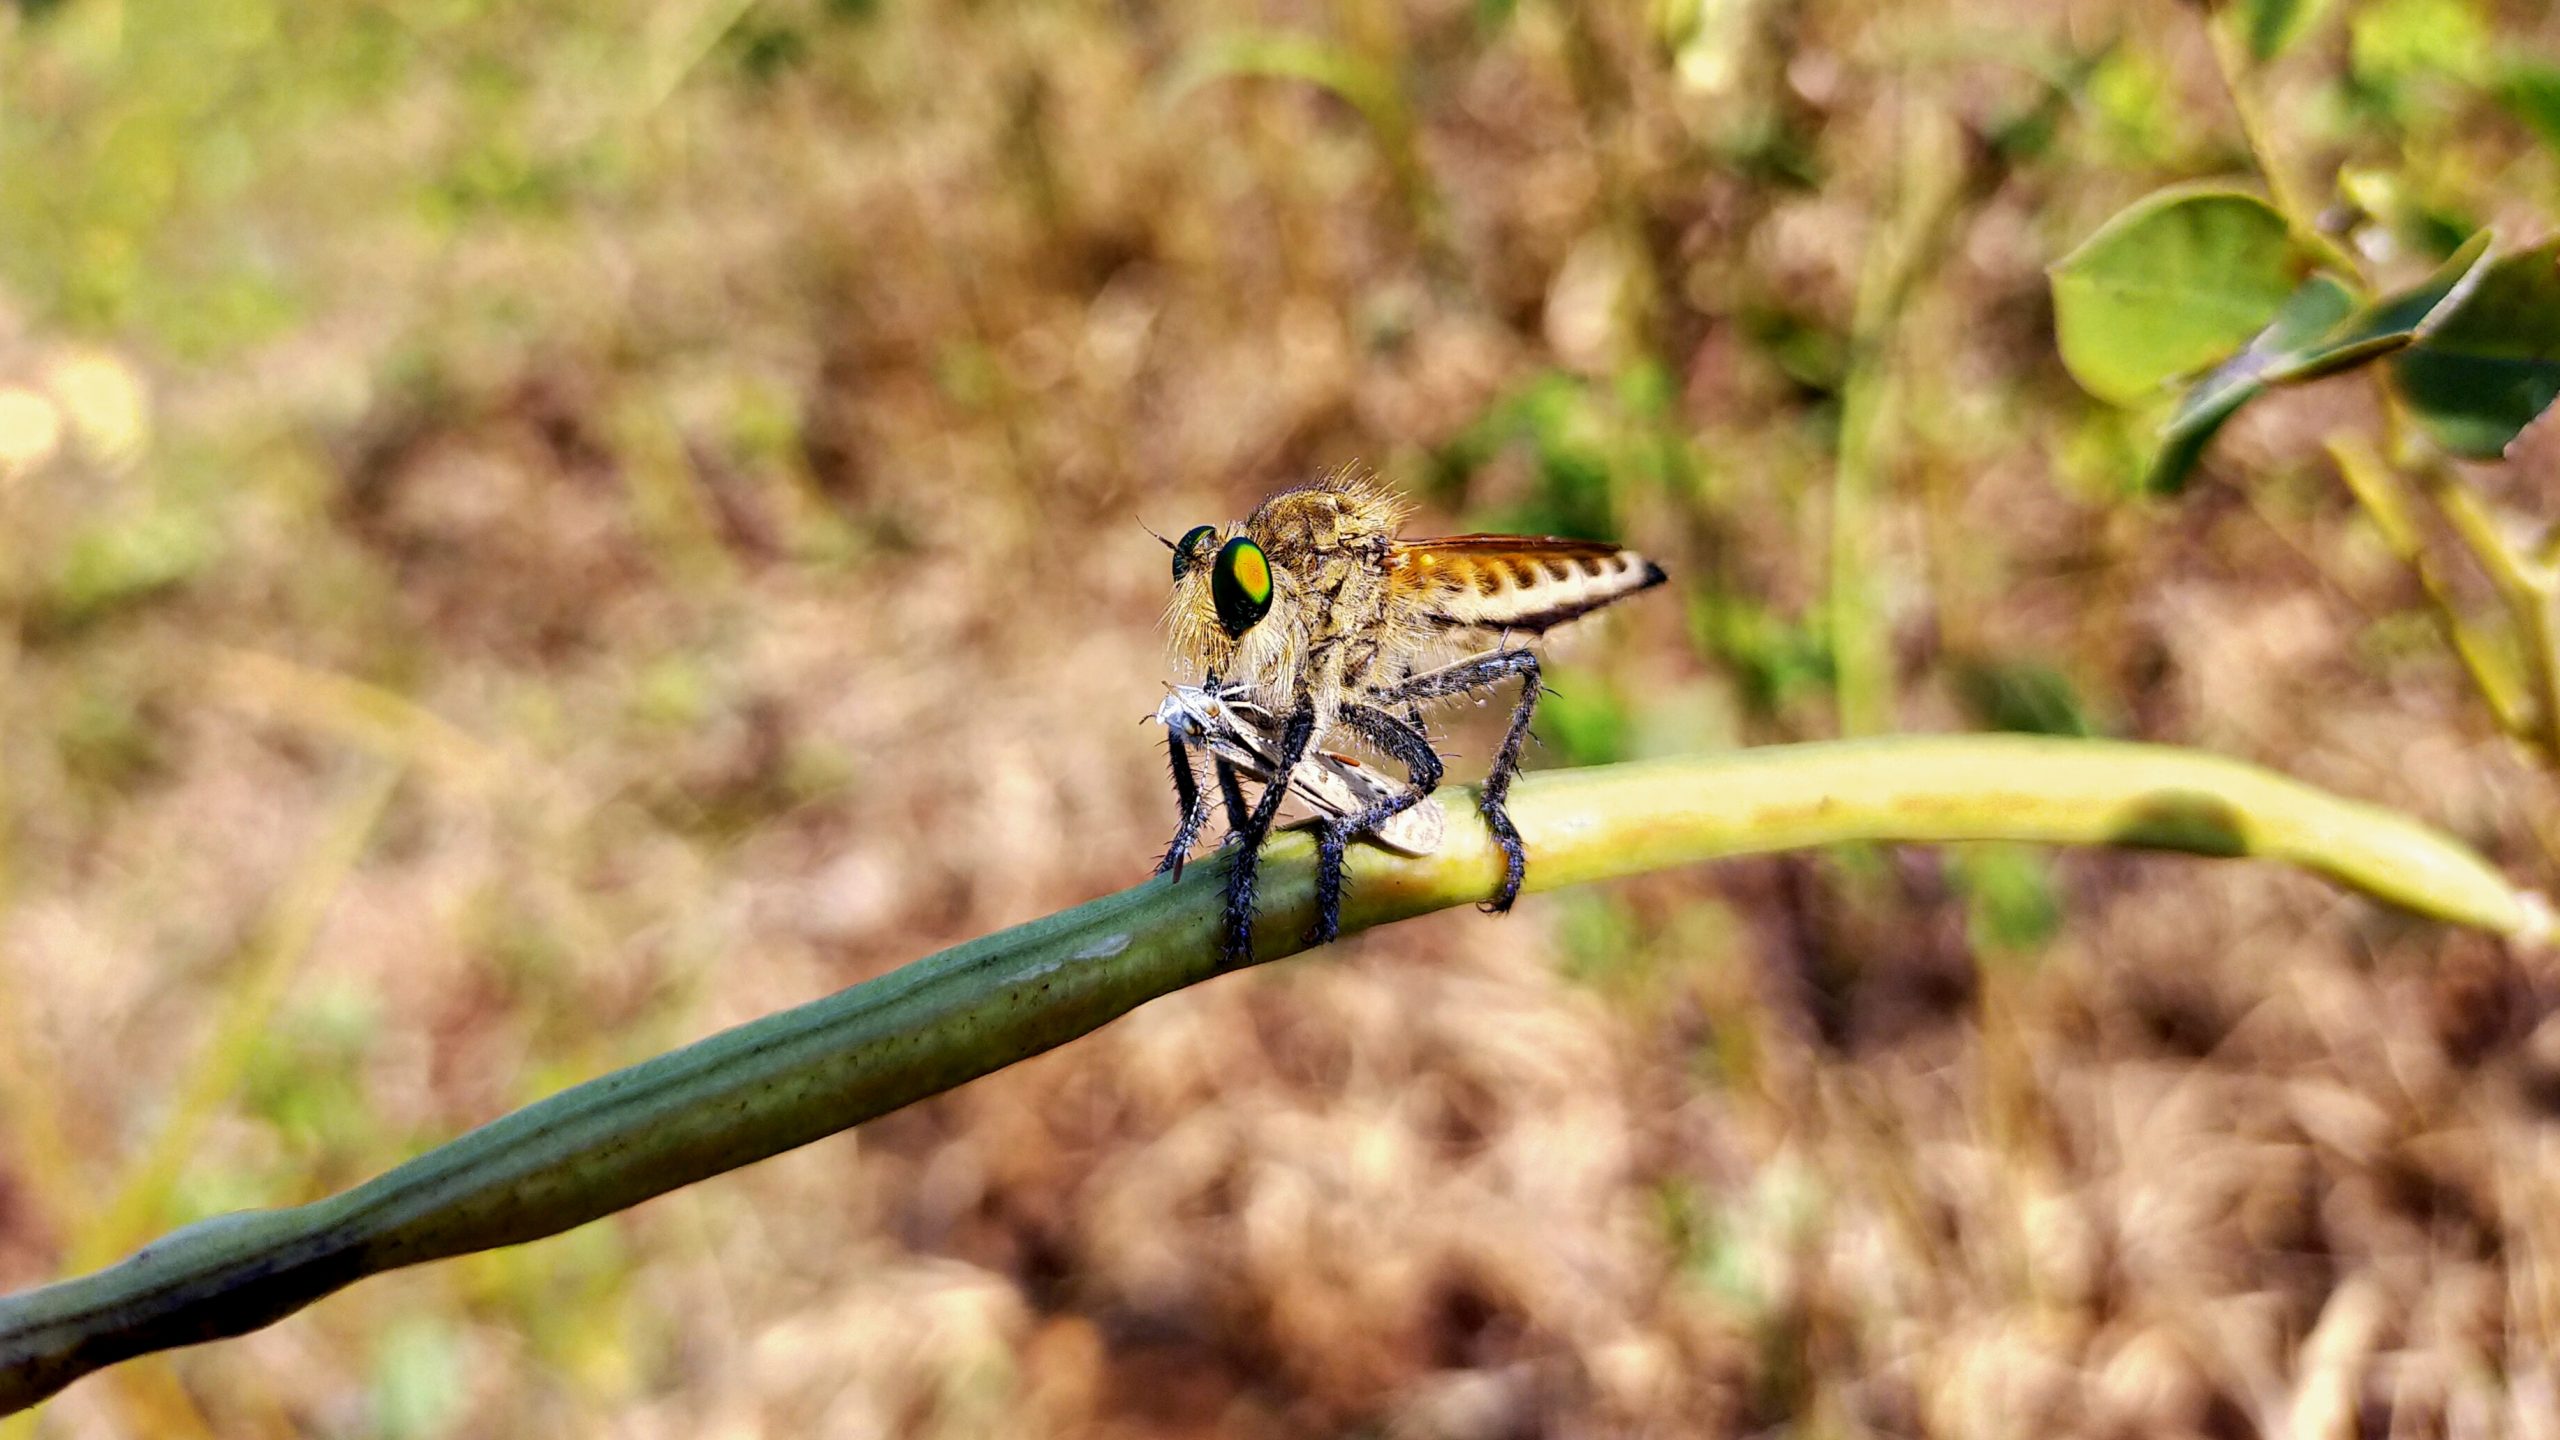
[1150, 529]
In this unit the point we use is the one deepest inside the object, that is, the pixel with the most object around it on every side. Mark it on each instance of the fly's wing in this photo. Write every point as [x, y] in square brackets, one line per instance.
[1516, 584]
[1332, 783]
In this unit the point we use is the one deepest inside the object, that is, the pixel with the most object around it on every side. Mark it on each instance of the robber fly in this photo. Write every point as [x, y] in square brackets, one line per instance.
[1238, 734]
[1314, 611]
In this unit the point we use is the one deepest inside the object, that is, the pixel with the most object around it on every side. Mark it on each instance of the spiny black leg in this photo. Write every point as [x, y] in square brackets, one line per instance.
[1497, 789]
[1332, 838]
[1401, 742]
[1237, 942]
[1231, 786]
[1195, 807]
[1476, 674]
[1412, 708]
[1407, 746]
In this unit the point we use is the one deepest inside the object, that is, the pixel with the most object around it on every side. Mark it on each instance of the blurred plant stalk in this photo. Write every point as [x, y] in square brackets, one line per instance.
[797, 1076]
[1933, 186]
[1941, 177]
[2517, 672]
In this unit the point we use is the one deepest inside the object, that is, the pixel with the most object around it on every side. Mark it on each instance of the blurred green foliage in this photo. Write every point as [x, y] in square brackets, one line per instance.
[2026, 697]
[2011, 908]
[417, 1388]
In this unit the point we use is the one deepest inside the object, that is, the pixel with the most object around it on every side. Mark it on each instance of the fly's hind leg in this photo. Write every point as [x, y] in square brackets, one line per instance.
[1406, 745]
[1497, 783]
[1483, 672]
[1236, 942]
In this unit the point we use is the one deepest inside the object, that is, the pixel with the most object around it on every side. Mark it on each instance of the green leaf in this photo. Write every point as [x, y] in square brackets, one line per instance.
[121, 563]
[2025, 697]
[2394, 320]
[2318, 306]
[2273, 25]
[2487, 361]
[2170, 286]
[2530, 89]
[2318, 332]
[2393, 41]
[1359, 82]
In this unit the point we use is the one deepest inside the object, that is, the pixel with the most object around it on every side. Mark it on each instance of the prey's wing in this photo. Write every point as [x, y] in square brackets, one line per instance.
[1340, 785]
[1333, 783]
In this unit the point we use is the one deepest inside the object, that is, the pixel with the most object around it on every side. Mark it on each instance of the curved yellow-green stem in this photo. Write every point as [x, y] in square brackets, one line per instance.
[793, 1077]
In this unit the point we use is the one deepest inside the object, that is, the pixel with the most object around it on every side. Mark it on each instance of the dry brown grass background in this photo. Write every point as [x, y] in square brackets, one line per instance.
[630, 520]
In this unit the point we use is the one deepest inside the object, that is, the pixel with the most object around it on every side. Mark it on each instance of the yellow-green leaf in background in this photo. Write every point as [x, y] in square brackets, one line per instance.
[2175, 283]
[2273, 25]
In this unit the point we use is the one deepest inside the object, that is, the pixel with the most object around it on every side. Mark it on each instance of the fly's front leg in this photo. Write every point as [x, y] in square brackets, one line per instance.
[1402, 743]
[1477, 674]
[1230, 782]
[1231, 787]
[1295, 736]
[1195, 806]
[1333, 839]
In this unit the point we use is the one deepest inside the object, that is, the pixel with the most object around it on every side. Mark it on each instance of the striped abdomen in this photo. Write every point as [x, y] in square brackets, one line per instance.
[1517, 583]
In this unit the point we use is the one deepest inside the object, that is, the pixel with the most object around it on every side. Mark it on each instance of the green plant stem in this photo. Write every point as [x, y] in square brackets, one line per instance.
[2539, 621]
[794, 1077]
[2492, 668]
[2230, 57]
[2531, 592]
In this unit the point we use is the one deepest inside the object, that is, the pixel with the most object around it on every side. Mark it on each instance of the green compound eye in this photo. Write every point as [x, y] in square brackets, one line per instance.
[1192, 548]
[1241, 584]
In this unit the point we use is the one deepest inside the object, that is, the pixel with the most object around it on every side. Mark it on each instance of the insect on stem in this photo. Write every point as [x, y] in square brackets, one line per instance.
[1328, 627]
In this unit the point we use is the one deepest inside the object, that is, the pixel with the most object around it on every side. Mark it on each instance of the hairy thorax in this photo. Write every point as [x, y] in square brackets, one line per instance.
[1355, 612]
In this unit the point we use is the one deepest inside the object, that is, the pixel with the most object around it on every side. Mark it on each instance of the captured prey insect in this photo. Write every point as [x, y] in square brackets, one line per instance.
[1238, 735]
[1315, 612]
